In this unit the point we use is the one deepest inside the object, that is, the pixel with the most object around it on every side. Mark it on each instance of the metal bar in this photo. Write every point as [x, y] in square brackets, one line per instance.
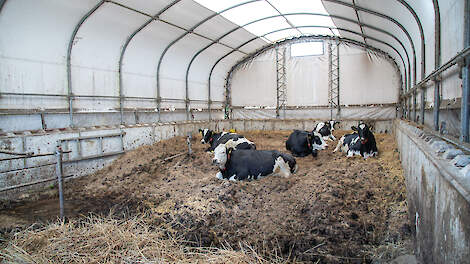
[16, 153]
[126, 44]
[358, 20]
[287, 20]
[29, 168]
[32, 156]
[433, 75]
[270, 46]
[160, 60]
[464, 109]
[92, 137]
[33, 183]
[59, 173]
[437, 61]
[69, 56]
[164, 21]
[338, 17]
[389, 19]
[43, 122]
[423, 54]
[2, 3]
[95, 156]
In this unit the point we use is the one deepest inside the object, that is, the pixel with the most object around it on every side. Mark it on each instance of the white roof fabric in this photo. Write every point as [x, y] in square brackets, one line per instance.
[35, 36]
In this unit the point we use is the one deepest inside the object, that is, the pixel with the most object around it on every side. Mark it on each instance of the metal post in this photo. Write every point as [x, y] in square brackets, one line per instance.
[437, 62]
[464, 110]
[59, 172]
[423, 105]
[188, 140]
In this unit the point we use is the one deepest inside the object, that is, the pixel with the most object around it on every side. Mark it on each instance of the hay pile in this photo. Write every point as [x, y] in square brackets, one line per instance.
[334, 210]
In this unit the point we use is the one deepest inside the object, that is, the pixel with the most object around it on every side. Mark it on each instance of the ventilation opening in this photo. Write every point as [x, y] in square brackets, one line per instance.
[307, 49]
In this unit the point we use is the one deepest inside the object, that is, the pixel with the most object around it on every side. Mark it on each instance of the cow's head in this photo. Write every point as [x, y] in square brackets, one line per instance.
[206, 135]
[332, 124]
[364, 132]
[221, 155]
[315, 142]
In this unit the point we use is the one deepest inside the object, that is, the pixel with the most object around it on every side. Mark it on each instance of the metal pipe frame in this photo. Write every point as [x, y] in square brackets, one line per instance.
[229, 75]
[2, 3]
[358, 20]
[389, 19]
[347, 30]
[437, 62]
[316, 14]
[69, 56]
[70, 90]
[464, 109]
[126, 44]
[182, 36]
[423, 53]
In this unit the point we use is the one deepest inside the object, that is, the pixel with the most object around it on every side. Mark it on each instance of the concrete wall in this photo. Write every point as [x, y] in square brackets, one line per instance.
[90, 155]
[438, 192]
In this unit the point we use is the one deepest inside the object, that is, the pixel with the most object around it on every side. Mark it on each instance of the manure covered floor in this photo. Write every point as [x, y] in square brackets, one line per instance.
[334, 209]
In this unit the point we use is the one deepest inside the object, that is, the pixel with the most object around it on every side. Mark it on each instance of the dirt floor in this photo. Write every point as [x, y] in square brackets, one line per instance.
[334, 209]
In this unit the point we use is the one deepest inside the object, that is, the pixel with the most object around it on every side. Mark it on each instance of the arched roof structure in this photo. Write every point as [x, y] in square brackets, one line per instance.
[180, 49]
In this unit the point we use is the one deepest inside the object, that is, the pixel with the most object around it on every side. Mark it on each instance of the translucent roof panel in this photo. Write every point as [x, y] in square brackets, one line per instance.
[248, 11]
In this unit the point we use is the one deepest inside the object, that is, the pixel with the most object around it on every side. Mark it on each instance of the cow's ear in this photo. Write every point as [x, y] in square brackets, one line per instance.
[200, 130]
[354, 128]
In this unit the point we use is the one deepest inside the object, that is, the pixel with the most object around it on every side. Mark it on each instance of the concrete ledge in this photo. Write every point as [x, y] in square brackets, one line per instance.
[438, 194]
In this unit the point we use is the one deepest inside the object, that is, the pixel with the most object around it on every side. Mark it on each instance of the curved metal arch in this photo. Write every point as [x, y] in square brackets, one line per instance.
[389, 19]
[180, 37]
[278, 43]
[407, 80]
[352, 21]
[423, 59]
[69, 56]
[289, 14]
[126, 44]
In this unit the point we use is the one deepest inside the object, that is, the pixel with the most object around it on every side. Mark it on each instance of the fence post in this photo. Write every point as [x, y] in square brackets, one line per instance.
[188, 140]
[59, 172]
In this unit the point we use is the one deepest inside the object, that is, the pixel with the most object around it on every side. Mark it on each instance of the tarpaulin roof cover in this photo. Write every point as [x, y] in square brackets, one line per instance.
[172, 50]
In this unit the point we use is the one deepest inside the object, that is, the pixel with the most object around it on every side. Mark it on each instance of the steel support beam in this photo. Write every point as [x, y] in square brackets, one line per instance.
[281, 81]
[333, 78]
[437, 60]
[464, 109]
[124, 48]
[69, 57]
[423, 54]
[229, 76]
[178, 39]
[389, 19]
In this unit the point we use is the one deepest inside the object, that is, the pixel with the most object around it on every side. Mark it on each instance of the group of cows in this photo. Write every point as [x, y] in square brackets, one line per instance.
[238, 159]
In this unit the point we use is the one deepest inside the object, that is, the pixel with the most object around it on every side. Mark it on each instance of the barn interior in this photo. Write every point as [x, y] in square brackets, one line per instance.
[101, 102]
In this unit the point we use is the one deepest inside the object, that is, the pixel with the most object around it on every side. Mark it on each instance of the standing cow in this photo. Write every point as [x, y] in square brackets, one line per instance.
[250, 164]
[214, 139]
[362, 142]
[302, 143]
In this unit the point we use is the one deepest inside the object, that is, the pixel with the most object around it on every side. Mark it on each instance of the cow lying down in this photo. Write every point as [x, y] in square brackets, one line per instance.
[362, 142]
[214, 139]
[326, 129]
[302, 143]
[249, 164]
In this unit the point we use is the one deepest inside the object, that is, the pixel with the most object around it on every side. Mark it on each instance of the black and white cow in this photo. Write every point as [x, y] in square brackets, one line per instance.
[250, 164]
[362, 142]
[214, 139]
[302, 143]
[326, 129]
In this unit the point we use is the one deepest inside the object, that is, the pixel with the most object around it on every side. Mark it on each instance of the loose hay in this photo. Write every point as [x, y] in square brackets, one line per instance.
[333, 210]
